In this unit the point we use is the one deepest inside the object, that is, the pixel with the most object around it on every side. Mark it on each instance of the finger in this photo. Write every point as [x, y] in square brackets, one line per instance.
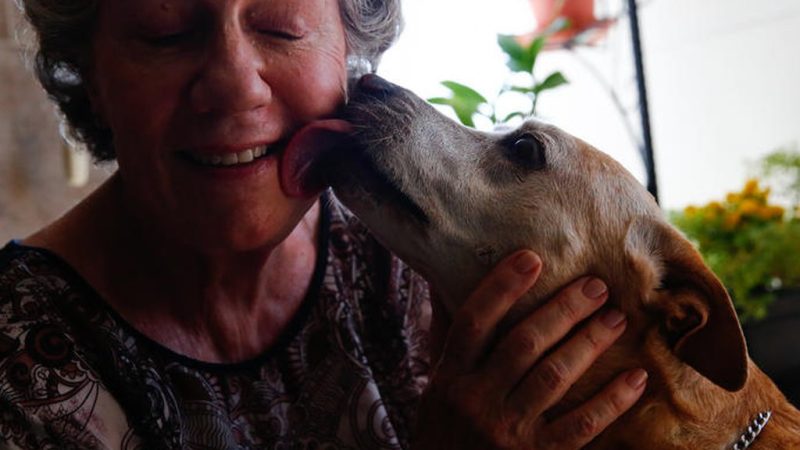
[580, 426]
[533, 337]
[475, 322]
[552, 376]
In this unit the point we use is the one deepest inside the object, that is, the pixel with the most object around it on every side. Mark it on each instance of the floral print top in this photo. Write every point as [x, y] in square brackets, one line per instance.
[346, 375]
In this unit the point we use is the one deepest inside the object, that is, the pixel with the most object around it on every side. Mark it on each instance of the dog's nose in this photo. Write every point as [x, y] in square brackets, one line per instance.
[375, 86]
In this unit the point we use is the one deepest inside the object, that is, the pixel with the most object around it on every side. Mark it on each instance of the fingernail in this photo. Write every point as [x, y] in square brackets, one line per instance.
[612, 318]
[594, 288]
[637, 378]
[526, 262]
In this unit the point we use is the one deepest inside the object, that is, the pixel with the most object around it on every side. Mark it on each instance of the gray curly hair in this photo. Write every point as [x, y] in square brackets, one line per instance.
[62, 54]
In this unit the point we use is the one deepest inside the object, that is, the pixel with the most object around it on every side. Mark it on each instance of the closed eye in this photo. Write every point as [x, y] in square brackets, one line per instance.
[280, 34]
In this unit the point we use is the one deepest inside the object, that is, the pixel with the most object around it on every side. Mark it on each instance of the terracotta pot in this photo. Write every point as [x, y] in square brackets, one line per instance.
[584, 29]
[579, 12]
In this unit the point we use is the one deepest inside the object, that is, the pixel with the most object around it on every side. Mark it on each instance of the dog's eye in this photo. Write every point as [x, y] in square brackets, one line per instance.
[527, 150]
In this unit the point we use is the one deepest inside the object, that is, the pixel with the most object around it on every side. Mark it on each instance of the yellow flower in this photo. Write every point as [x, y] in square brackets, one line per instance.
[749, 207]
[733, 197]
[732, 220]
[770, 212]
[712, 210]
[690, 210]
[751, 188]
[764, 213]
[776, 212]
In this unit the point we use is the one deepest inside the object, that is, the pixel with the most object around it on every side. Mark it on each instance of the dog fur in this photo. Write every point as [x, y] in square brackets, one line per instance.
[452, 201]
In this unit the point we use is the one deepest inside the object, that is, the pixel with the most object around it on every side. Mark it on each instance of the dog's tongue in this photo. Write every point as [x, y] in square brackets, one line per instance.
[308, 155]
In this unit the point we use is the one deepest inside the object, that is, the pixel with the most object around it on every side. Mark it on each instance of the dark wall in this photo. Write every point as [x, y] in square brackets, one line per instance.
[34, 186]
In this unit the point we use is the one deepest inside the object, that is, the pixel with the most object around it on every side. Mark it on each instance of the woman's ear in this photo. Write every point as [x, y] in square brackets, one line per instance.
[697, 317]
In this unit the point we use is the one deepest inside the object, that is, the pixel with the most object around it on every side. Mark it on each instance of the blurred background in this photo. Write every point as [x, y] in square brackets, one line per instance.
[722, 90]
[37, 183]
[721, 79]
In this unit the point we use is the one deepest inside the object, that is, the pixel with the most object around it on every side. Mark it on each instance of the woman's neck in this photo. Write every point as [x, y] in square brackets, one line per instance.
[215, 307]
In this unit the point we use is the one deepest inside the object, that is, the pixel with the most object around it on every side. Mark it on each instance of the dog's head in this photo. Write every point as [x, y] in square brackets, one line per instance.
[452, 201]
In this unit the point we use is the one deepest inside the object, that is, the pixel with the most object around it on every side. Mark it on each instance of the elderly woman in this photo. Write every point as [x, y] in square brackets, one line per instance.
[189, 303]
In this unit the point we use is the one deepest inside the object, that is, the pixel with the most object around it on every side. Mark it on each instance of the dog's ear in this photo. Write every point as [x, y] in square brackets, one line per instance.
[697, 315]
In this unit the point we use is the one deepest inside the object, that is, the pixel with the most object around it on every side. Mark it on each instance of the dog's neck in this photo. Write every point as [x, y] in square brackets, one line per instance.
[750, 434]
[698, 416]
[783, 428]
[681, 409]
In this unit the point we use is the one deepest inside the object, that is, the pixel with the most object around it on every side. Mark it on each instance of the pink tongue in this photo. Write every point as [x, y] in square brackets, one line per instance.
[302, 167]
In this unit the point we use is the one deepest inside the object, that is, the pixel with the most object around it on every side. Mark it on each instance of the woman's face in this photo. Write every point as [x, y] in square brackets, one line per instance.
[200, 94]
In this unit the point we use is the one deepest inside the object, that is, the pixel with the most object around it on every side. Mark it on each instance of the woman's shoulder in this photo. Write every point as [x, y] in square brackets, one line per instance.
[45, 375]
[31, 273]
[28, 276]
[44, 305]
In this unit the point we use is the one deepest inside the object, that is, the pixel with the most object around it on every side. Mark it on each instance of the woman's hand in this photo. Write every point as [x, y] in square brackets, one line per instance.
[487, 393]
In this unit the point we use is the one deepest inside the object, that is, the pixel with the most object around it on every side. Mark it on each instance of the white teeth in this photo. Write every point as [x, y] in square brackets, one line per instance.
[230, 159]
[246, 156]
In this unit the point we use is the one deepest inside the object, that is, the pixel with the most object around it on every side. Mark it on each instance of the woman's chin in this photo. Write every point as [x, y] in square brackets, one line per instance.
[252, 229]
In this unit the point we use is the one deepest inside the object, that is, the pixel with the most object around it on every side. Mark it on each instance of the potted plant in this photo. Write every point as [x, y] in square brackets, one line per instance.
[753, 245]
[579, 13]
[749, 243]
[585, 27]
[467, 103]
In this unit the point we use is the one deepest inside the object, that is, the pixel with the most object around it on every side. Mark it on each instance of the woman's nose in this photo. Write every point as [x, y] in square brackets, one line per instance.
[230, 79]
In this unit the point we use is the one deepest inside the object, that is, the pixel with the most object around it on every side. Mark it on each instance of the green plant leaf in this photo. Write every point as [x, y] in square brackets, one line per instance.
[464, 92]
[552, 81]
[512, 115]
[519, 59]
[441, 101]
[463, 111]
[520, 89]
[782, 168]
[534, 49]
[465, 117]
[464, 100]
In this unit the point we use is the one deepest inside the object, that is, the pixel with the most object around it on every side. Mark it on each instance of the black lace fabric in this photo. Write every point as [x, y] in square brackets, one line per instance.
[347, 374]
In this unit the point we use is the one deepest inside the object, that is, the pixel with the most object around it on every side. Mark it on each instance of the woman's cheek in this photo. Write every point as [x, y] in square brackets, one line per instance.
[325, 75]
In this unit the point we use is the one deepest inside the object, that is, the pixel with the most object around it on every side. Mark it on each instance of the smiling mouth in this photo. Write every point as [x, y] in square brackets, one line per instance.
[233, 159]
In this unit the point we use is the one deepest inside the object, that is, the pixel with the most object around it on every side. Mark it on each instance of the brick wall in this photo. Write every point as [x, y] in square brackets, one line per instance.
[33, 181]
[4, 12]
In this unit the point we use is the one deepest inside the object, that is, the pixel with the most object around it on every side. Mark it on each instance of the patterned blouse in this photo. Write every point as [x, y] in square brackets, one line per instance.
[346, 375]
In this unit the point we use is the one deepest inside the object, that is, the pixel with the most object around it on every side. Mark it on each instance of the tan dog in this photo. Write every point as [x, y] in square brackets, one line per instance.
[452, 201]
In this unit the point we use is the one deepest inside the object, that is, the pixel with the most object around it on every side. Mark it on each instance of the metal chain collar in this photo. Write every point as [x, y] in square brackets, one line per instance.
[753, 430]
